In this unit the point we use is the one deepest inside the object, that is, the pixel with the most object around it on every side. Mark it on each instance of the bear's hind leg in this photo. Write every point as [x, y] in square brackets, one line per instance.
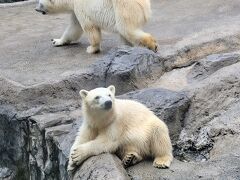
[94, 36]
[161, 148]
[130, 16]
[131, 156]
[162, 161]
[140, 38]
[72, 33]
[148, 41]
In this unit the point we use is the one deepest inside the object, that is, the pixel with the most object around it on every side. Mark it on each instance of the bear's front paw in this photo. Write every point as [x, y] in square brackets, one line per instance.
[59, 42]
[78, 155]
[93, 49]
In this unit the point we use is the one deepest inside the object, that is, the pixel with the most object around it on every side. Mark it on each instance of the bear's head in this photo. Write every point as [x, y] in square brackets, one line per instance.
[99, 99]
[53, 6]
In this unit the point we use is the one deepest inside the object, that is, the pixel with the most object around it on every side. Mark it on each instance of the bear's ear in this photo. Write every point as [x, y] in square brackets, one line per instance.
[83, 93]
[112, 89]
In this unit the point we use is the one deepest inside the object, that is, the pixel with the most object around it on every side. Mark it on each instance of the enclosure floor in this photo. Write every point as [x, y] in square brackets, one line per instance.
[28, 57]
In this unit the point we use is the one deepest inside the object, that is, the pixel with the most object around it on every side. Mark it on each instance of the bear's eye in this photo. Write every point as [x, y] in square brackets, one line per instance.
[97, 97]
[109, 95]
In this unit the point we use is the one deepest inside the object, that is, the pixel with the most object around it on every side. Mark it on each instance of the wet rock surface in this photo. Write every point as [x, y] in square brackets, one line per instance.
[193, 84]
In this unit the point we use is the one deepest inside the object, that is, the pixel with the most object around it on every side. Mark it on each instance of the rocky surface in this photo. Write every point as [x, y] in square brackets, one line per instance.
[201, 117]
[14, 141]
[208, 143]
[188, 28]
[105, 166]
[220, 168]
[192, 83]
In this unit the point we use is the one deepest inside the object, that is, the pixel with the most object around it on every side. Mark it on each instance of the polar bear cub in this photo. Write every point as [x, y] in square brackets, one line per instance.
[124, 126]
[125, 17]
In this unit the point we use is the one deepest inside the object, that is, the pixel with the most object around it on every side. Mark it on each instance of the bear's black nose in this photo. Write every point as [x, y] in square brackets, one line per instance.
[108, 104]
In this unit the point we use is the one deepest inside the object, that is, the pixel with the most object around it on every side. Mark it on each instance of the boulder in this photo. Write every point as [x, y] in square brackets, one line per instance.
[104, 167]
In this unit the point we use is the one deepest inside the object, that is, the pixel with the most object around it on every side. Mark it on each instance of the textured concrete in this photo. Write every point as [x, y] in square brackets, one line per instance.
[27, 51]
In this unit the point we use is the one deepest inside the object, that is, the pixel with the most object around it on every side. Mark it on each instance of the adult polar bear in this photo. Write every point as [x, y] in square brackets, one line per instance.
[125, 17]
[124, 126]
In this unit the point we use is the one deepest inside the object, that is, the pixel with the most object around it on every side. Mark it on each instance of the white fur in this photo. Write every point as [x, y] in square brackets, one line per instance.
[125, 17]
[129, 127]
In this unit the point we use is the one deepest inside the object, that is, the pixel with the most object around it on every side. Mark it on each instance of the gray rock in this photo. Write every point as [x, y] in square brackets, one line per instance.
[213, 111]
[52, 135]
[104, 167]
[222, 168]
[6, 173]
[128, 68]
[133, 68]
[211, 64]
[225, 145]
[51, 119]
[14, 145]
